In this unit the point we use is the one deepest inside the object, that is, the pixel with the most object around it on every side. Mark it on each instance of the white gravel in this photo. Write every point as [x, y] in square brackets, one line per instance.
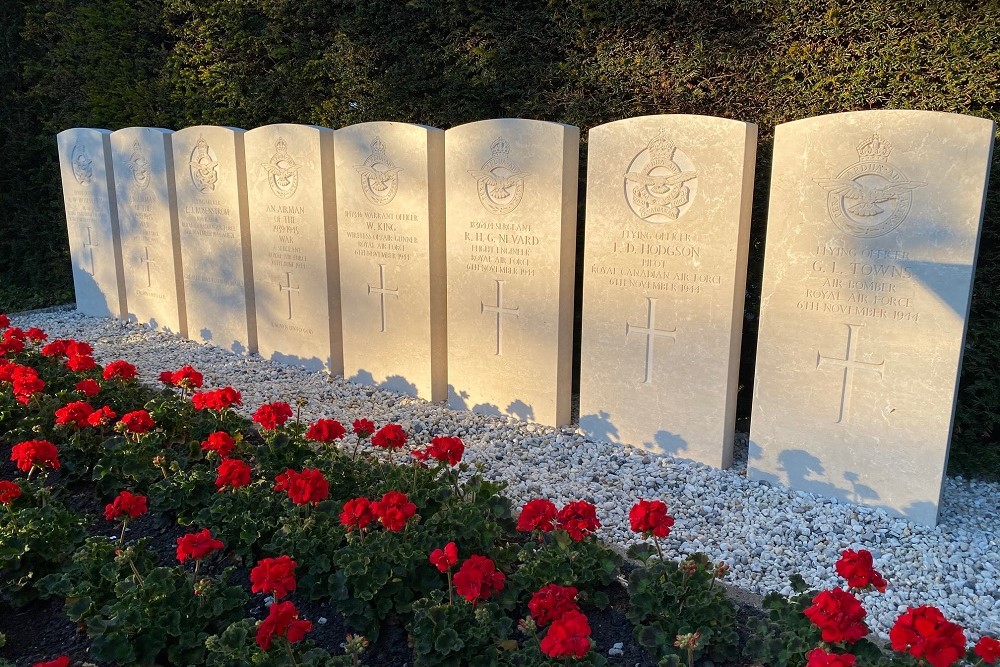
[764, 533]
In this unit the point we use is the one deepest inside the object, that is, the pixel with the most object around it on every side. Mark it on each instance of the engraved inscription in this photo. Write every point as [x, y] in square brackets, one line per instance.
[145, 259]
[379, 176]
[849, 364]
[660, 182]
[499, 183]
[138, 164]
[288, 287]
[204, 167]
[282, 171]
[382, 291]
[82, 165]
[499, 310]
[871, 197]
[649, 331]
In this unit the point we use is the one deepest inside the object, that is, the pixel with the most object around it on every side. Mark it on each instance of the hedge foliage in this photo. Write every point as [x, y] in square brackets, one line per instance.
[173, 63]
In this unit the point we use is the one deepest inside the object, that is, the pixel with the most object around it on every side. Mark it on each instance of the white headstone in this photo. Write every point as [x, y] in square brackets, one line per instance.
[215, 235]
[872, 234]
[92, 221]
[668, 224]
[511, 217]
[147, 214]
[293, 231]
[390, 220]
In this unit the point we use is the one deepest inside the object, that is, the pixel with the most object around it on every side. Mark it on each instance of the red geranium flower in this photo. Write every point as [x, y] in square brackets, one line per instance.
[569, 637]
[274, 575]
[217, 399]
[579, 519]
[363, 428]
[390, 436]
[394, 510]
[88, 387]
[650, 518]
[74, 414]
[357, 513]
[101, 417]
[77, 348]
[26, 383]
[478, 579]
[987, 648]
[121, 370]
[272, 415]
[445, 448]
[839, 615]
[857, 568]
[308, 486]
[80, 363]
[126, 503]
[4, 321]
[137, 421]
[282, 621]
[551, 602]
[820, 658]
[56, 348]
[232, 473]
[30, 453]
[9, 492]
[924, 632]
[326, 430]
[186, 377]
[538, 514]
[61, 661]
[35, 334]
[197, 545]
[445, 559]
[220, 442]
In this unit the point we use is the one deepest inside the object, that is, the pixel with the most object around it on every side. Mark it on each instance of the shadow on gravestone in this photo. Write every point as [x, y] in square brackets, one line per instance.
[670, 444]
[458, 400]
[236, 346]
[599, 427]
[797, 464]
[521, 410]
[930, 275]
[310, 364]
[84, 279]
[396, 383]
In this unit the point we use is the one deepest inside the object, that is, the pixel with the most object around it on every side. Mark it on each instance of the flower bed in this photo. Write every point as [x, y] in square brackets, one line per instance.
[387, 530]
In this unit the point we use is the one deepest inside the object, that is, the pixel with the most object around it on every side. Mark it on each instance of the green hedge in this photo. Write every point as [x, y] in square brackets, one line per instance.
[172, 63]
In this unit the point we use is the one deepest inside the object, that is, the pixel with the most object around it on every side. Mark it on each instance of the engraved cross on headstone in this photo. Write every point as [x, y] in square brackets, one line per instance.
[650, 331]
[382, 290]
[499, 309]
[288, 287]
[849, 364]
[147, 261]
[90, 245]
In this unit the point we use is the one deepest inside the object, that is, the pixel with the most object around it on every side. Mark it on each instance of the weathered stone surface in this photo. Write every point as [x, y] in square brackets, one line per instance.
[511, 216]
[390, 221]
[92, 221]
[668, 221]
[209, 175]
[147, 215]
[293, 231]
[872, 233]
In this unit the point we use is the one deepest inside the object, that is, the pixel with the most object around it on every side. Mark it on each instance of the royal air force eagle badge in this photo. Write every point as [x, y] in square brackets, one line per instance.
[82, 165]
[204, 167]
[871, 197]
[138, 164]
[282, 172]
[379, 176]
[660, 182]
[499, 183]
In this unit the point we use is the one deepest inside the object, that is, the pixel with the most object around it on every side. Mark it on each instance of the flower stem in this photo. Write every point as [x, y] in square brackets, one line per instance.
[291, 656]
[451, 599]
[197, 564]
[122, 538]
[659, 551]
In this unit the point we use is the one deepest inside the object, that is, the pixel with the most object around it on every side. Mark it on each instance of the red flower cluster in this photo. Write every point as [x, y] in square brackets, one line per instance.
[650, 517]
[137, 421]
[36, 335]
[121, 370]
[274, 575]
[30, 453]
[357, 513]
[216, 399]
[924, 633]
[232, 473]
[81, 362]
[88, 387]
[282, 621]
[61, 661]
[74, 414]
[24, 380]
[4, 321]
[390, 436]
[272, 415]
[197, 545]
[579, 519]
[326, 430]
[538, 514]
[12, 341]
[857, 568]
[393, 510]
[185, 377]
[363, 428]
[442, 448]
[220, 442]
[551, 602]
[820, 658]
[308, 486]
[101, 417]
[478, 579]
[568, 637]
[9, 492]
[126, 503]
[839, 615]
[445, 559]
[987, 648]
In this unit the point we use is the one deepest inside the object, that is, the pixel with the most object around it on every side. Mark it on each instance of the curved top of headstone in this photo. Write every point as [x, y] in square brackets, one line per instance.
[478, 125]
[263, 129]
[895, 116]
[391, 124]
[209, 128]
[137, 129]
[73, 131]
[672, 118]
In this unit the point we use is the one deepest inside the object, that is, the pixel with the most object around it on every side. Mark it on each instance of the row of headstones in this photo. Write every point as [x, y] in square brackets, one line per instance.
[441, 265]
